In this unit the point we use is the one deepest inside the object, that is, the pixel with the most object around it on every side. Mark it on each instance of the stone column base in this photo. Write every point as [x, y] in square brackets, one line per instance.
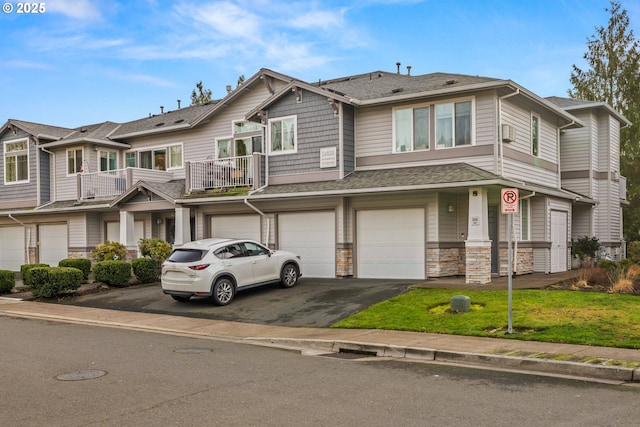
[478, 254]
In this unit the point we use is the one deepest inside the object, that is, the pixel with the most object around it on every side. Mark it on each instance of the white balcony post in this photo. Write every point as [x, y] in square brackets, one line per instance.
[127, 231]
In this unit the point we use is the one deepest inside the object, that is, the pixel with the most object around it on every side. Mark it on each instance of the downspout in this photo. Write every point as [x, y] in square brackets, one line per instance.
[262, 214]
[499, 120]
[26, 248]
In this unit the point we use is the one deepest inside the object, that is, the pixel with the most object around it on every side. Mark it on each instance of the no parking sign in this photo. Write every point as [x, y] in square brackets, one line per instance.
[509, 197]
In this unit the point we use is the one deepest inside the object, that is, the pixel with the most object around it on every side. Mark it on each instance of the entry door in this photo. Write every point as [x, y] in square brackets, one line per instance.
[558, 241]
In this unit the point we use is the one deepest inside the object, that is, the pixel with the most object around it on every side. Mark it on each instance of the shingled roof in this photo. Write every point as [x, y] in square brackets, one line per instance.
[39, 130]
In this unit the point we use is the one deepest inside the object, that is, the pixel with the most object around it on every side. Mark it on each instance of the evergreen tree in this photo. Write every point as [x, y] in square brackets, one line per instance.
[200, 95]
[613, 59]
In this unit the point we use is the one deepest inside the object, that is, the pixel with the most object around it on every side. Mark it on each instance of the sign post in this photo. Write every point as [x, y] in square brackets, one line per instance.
[509, 198]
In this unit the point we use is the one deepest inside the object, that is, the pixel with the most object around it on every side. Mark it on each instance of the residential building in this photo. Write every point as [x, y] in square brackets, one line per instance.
[379, 175]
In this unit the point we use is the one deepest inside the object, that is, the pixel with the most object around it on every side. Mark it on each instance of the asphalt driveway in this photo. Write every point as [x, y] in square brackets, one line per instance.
[312, 303]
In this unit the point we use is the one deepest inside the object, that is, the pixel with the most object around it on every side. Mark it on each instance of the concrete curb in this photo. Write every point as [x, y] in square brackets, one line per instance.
[525, 364]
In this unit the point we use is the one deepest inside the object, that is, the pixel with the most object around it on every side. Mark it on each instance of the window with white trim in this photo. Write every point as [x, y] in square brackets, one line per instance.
[283, 135]
[159, 158]
[525, 219]
[453, 124]
[108, 161]
[535, 135]
[16, 161]
[411, 129]
[74, 161]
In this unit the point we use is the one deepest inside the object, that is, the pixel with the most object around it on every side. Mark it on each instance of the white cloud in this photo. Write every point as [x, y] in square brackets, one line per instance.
[76, 9]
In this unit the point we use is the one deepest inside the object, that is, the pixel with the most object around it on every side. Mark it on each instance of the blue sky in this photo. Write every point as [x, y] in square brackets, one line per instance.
[88, 61]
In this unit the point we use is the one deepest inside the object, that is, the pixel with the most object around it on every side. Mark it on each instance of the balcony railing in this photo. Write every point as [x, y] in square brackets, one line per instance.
[222, 173]
[99, 185]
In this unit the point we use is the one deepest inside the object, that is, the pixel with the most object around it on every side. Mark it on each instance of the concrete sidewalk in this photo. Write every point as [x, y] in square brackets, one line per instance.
[597, 363]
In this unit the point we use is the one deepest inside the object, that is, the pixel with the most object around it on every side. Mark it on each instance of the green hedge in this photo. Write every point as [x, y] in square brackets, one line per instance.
[49, 282]
[25, 268]
[7, 281]
[146, 270]
[81, 264]
[113, 273]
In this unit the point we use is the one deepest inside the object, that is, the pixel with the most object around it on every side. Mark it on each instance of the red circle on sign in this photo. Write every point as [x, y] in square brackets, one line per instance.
[509, 197]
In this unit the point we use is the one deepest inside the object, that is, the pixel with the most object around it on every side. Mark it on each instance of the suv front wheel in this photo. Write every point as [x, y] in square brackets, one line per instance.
[223, 291]
[289, 275]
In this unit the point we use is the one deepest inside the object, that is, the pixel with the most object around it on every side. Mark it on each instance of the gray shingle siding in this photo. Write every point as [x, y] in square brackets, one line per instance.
[317, 127]
[349, 139]
[45, 177]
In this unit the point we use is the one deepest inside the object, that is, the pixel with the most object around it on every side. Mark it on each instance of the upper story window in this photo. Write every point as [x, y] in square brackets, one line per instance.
[453, 124]
[160, 158]
[74, 161]
[535, 135]
[283, 135]
[108, 160]
[16, 161]
[411, 129]
[246, 140]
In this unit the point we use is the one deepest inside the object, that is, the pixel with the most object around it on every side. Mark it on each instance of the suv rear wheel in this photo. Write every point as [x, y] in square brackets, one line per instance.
[223, 291]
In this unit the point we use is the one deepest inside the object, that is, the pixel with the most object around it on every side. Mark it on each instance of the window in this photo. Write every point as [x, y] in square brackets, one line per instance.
[223, 148]
[525, 223]
[157, 158]
[108, 160]
[16, 161]
[282, 133]
[411, 129]
[74, 161]
[535, 135]
[453, 124]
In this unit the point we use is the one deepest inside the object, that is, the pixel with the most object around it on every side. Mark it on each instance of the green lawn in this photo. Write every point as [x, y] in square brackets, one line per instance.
[592, 318]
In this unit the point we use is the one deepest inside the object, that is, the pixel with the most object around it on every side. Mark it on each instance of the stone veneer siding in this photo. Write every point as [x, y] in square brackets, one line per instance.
[344, 260]
[445, 262]
[478, 264]
[524, 263]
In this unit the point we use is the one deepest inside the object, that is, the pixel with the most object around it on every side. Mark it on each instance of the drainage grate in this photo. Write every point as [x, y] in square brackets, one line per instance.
[87, 374]
[345, 353]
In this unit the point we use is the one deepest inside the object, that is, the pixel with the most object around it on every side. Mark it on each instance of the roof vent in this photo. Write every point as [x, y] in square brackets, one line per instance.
[83, 130]
[398, 90]
[159, 124]
[450, 82]
[179, 121]
[161, 109]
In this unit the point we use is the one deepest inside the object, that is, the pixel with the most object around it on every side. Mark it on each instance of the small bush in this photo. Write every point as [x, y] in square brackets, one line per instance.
[633, 252]
[112, 273]
[146, 270]
[25, 268]
[7, 281]
[109, 251]
[52, 281]
[81, 264]
[155, 248]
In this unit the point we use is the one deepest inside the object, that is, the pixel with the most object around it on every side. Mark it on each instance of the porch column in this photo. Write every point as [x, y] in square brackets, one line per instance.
[128, 234]
[478, 245]
[183, 226]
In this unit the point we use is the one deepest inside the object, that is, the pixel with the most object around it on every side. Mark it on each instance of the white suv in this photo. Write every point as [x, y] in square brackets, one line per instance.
[218, 268]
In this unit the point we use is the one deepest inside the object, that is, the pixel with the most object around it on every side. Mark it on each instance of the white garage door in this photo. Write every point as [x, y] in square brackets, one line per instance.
[391, 244]
[236, 226]
[53, 243]
[12, 254]
[313, 237]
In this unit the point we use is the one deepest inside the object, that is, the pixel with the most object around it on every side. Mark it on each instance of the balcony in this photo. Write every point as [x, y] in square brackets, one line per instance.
[110, 184]
[230, 172]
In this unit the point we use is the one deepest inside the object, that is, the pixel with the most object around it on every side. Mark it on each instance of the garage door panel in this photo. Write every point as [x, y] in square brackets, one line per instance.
[12, 249]
[53, 243]
[390, 244]
[312, 236]
[236, 226]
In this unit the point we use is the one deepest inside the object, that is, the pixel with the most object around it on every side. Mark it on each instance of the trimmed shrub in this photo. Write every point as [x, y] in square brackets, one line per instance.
[155, 248]
[7, 281]
[109, 251]
[146, 270]
[112, 273]
[633, 252]
[24, 269]
[52, 281]
[81, 264]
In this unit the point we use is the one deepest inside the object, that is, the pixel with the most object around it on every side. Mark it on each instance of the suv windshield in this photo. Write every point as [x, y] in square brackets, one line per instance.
[186, 255]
